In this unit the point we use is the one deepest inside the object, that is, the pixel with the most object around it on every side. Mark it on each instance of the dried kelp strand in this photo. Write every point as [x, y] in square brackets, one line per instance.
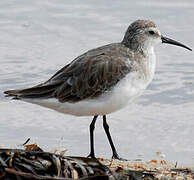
[2, 162]
[57, 164]
[83, 169]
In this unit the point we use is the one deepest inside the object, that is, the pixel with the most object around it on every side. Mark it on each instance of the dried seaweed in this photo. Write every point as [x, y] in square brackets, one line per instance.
[33, 163]
[28, 164]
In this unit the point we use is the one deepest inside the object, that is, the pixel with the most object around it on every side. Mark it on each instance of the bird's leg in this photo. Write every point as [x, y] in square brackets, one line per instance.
[92, 127]
[106, 128]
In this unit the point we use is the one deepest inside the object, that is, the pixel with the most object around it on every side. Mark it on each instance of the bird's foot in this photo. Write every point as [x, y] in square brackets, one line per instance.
[92, 156]
[116, 156]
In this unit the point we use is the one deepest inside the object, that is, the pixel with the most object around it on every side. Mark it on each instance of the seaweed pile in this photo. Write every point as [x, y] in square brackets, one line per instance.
[33, 163]
[22, 164]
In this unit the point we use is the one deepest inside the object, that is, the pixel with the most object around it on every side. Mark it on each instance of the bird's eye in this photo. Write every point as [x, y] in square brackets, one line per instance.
[151, 32]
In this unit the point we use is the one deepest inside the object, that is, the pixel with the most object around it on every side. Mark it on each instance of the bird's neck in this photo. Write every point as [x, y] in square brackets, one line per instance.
[150, 62]
[147, 63]
[145, 48]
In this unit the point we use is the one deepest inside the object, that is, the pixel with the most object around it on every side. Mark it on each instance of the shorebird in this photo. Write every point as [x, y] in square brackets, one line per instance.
[102, 80]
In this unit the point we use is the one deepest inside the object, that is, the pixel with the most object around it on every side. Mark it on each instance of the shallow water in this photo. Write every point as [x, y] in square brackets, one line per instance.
[39, 37]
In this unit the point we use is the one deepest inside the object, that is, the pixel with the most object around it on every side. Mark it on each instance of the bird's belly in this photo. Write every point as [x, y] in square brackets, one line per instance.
[118, 97]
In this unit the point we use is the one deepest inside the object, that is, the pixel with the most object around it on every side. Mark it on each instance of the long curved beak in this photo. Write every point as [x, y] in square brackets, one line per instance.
[170, 41]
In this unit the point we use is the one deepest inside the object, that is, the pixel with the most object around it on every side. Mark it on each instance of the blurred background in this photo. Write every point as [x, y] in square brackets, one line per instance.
[37, 38]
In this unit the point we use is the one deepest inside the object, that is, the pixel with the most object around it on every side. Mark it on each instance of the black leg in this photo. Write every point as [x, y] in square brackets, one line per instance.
[92, 127]
[106, 128]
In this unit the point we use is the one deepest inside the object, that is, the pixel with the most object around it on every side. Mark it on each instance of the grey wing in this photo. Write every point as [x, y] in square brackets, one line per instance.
[87, 76]
[91, 77]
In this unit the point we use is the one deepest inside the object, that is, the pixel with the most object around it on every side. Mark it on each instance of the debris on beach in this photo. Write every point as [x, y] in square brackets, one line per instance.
[33, 163]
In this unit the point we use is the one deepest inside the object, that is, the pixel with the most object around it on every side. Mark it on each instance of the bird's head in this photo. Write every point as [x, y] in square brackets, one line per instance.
[143, 35]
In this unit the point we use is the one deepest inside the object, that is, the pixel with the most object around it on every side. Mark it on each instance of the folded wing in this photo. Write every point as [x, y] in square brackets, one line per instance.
[87, 76]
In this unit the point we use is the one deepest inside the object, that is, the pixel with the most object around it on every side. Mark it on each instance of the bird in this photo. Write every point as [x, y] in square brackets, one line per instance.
[102, 80]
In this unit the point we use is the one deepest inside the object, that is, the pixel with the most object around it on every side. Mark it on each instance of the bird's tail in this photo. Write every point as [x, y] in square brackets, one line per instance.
[40, 91]
[12, 93]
